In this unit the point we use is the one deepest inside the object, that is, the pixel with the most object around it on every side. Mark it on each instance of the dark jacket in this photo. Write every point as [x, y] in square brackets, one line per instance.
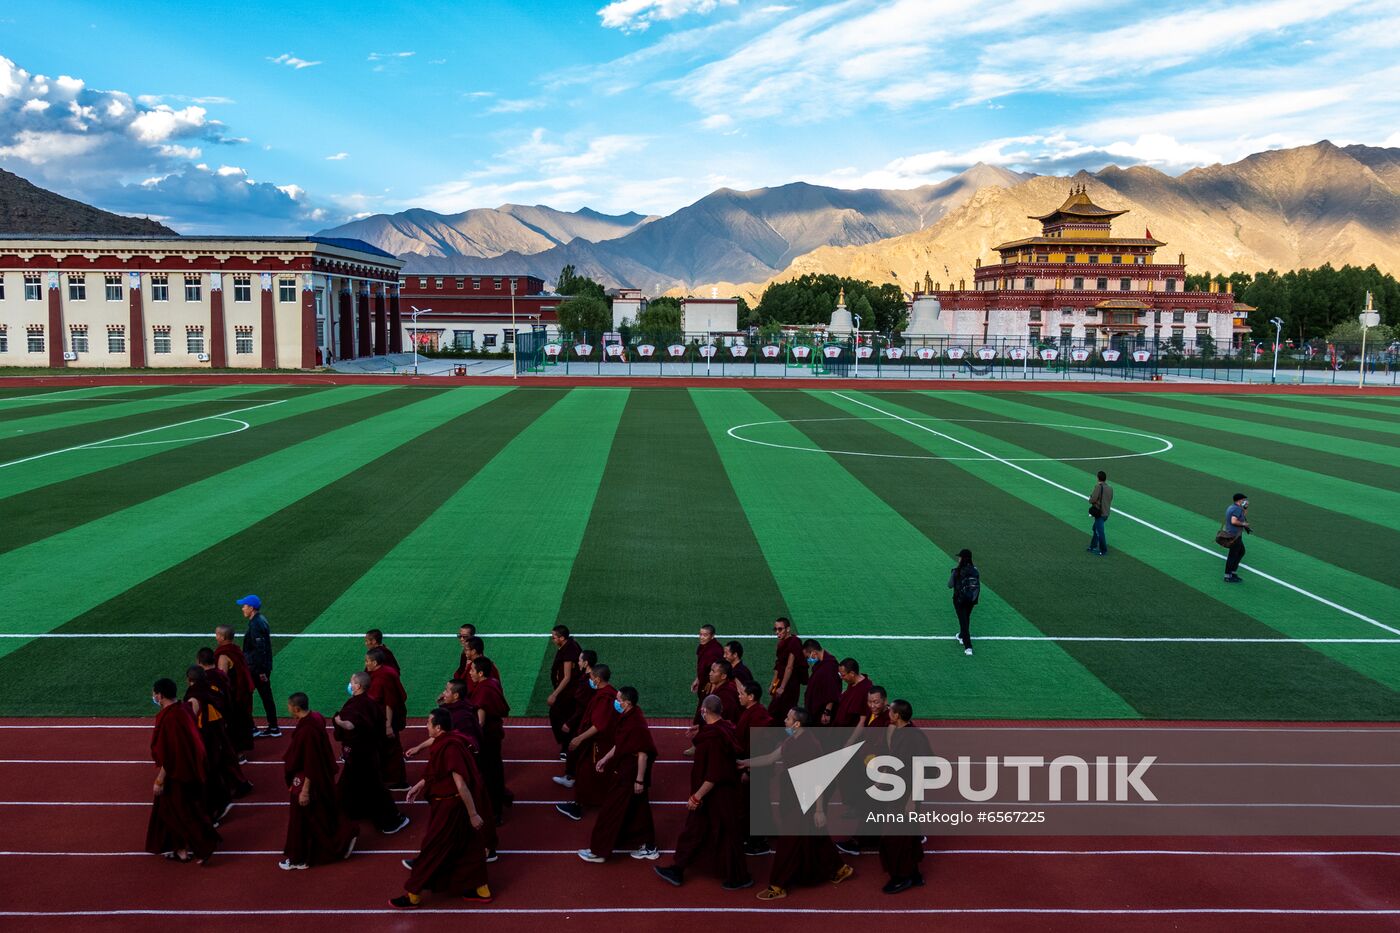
[257, 645]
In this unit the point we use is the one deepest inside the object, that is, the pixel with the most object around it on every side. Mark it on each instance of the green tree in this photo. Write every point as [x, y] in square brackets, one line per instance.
[811, 298]
[660, 318]
[585, 316]
[578, 285]
[1205, 345]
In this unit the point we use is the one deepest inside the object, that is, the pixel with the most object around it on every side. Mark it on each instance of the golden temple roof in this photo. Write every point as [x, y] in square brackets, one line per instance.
[1067, 244]
[1079, 206]
[1122, 304]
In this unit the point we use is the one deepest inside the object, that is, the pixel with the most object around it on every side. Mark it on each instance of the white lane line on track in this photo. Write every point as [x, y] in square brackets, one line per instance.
[1141, 639]
[1141, 521]
[1098, 853]
[112, 440]
[492, 911]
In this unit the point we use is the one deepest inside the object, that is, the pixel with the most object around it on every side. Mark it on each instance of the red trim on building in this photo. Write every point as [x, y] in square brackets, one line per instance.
[56, 343]
[268, 326]
[395, 324]
[218, 347]
[310, 353]
[381, 324]
[136, 339]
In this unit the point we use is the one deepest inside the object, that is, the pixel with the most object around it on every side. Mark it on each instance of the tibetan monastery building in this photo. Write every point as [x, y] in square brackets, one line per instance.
[1077, 284]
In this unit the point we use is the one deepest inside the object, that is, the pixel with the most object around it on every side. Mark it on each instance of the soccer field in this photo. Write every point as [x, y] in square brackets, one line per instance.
[132, 517]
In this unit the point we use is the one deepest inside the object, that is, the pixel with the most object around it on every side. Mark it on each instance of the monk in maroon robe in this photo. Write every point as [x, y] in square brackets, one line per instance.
[473, 648]
[789, 671]
[491, 712]
[464, 663]
[738, 671]
[225, 776]
[467, 724]
[624, 818]
[900, 855]
[386, 689]
[850, 709]
[753, 715]
[563, 670]
[584, 749]
[583, 691]
[723, 685]
[359, 726]
[228, 657]
[707, 652]
[714, 818]
[453, 855]
[869, 728]
[800, 858]
[823, 683]
[374, 638]
[180, 827]
[316, 831]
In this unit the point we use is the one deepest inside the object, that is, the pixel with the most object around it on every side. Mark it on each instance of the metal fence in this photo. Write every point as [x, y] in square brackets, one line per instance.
[874, 355]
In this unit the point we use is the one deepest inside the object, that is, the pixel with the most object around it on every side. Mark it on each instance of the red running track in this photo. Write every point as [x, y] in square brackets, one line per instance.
[74, 803]
[684, 382]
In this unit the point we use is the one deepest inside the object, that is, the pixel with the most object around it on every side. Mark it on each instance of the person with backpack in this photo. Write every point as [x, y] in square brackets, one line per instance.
[966, 584]
[1100, 505]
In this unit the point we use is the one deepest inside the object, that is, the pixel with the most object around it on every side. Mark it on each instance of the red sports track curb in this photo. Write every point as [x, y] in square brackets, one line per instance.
[691, 382]
[994, 884]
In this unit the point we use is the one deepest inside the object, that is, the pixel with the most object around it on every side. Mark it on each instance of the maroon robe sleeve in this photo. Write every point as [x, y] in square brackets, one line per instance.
[705, 655]
[176, 745]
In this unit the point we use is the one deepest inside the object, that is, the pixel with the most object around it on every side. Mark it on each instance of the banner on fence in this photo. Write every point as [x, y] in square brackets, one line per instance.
[987, 353]
[864, 353]
[1018, 353]
[801, 353]
[1079, 354]
[552, 349]
[955, 353]
[615, 349]
[1049, 353]
[894, 353]
[831, 353]
[676, 350]
[770, 351]
[583, 349]
[738, 350]
[1111, 356]
[707, 351]
[645, 349]
[1142, 356]
[925, 353]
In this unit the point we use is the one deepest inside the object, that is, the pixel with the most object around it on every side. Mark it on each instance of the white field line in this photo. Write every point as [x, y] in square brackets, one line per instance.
[1145, 639]
[164, 427]
[115, 398]
[1195, 853]
[493, 911]
[1141, 521]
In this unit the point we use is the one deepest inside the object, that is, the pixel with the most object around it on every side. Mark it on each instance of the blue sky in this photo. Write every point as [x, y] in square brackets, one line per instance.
[277, 117]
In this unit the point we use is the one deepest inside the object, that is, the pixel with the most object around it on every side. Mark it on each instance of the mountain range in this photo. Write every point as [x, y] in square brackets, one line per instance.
[728, 234]
[27, 208]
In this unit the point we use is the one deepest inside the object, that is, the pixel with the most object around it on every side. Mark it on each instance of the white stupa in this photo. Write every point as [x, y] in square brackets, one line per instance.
[925, 316]
[841, 321]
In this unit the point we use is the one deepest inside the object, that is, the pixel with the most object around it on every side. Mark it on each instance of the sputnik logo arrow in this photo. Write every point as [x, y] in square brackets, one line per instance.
[811, 778]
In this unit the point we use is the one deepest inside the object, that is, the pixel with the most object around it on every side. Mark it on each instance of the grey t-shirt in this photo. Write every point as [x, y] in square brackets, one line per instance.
[1233, 530]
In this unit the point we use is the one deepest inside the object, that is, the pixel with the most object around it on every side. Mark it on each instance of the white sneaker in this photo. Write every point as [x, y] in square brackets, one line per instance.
[403, 821]
[288, 865]
[350, 849]
[650, 854]
[968, 652]
[563, 780]
[588, 856]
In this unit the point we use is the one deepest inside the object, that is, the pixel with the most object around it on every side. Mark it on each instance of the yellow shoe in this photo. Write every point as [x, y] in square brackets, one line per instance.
[772, 893]
[842, 873]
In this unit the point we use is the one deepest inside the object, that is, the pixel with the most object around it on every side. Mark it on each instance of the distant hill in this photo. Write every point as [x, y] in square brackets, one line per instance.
[27, 208]
[1282, 209]
[421, 236]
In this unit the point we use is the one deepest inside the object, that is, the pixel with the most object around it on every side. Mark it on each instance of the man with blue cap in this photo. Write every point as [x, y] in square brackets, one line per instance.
[257, 648]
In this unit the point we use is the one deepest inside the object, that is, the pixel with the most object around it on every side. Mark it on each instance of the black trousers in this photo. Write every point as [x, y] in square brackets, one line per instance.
[265, 691]
[1232, 560]
[964, 611]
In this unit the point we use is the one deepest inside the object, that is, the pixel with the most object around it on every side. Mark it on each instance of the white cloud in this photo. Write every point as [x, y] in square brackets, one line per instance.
[637, 15]
[717, 121]
[291, 61]
[39, 148]
[516, 106]
[338, 157]
[382, 56]
[163, 122]
[35, 105]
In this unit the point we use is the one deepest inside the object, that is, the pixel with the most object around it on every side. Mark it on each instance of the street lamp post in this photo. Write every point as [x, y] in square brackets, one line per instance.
[514, 335]
[856, 318]
[1369, 318]
[416, 312]
[1278, 338]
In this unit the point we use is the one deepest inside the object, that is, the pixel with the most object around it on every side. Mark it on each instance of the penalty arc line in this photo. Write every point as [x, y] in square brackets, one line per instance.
[1141, 521]
[163, 427]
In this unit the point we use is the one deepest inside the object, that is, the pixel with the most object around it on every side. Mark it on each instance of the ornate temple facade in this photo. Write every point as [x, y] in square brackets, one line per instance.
[1077, 284]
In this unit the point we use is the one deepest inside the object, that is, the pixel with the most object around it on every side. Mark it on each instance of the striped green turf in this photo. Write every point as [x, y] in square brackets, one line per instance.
[299, 557]
[667, 549]
[635, 512]
[496, 553]
[850, 565]
[1001, 514]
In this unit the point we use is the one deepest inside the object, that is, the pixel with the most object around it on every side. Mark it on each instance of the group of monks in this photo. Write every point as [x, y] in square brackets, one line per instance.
[202, 739]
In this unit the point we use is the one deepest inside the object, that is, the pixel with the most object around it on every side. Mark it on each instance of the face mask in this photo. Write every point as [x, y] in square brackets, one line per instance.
[789, 730]
[812, 662]
[617, 705]
[350, 689]
[155, 702]
[592, 685]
